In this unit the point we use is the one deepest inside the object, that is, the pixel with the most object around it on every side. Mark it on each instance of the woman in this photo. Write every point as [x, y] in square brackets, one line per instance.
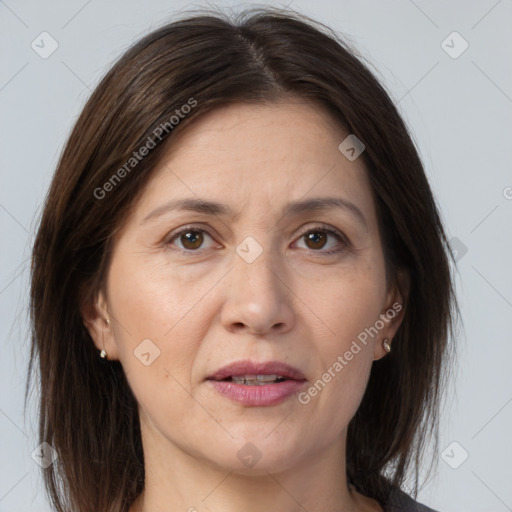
[241, 293]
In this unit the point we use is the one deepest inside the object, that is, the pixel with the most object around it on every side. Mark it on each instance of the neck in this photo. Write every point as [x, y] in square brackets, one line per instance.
[177, 480]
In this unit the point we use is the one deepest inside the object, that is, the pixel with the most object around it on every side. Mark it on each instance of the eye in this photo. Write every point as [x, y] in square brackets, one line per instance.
[190, 238]
[316, 238]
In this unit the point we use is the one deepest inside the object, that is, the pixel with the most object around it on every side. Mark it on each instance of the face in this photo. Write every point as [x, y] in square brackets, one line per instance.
[190, 290]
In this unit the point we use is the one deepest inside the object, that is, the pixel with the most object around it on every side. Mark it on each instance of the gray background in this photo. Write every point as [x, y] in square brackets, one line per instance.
[459, 110]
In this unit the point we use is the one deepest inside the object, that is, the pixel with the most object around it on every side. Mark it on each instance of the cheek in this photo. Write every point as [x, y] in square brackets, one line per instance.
[152, 299]
[350, 301]
[158, 326]
[349, 305]
[335, 393]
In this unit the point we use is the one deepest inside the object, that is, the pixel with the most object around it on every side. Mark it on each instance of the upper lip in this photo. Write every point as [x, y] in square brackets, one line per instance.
[247, 367]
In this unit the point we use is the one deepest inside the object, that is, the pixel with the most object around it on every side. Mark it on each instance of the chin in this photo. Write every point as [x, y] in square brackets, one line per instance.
[255, 453]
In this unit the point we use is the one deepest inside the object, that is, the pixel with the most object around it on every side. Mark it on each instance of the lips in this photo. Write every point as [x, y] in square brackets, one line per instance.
[256, 371]
[253, 384]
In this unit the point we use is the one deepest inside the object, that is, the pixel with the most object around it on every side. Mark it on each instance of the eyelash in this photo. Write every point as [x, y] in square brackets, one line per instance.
[319, 228]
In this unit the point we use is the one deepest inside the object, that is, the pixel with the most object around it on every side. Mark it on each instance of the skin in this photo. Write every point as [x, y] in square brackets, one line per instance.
[206, 306]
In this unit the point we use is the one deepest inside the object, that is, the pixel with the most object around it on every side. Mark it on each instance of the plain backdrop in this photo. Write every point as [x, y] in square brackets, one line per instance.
[447, 66]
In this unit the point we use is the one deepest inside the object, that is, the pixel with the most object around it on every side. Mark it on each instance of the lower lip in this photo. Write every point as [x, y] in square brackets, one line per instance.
[258, 395]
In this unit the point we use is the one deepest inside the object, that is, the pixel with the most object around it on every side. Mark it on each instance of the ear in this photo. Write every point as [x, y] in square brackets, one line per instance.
[98, 321]
[393, 313]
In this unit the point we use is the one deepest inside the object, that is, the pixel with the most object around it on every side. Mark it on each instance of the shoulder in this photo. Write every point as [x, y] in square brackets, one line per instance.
[399, 501]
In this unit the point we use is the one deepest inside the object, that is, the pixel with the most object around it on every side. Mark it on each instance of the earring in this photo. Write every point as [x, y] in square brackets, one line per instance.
[103, 353]
[387, 346]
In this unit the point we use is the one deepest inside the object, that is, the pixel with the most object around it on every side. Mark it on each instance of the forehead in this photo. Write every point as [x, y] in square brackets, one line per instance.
[259, 157]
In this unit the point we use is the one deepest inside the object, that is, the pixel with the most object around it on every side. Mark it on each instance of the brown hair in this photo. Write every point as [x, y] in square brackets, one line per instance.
[87, 410]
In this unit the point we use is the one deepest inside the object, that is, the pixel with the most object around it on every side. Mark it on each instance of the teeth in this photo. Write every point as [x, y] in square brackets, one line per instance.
[255, 380]
[268, 377]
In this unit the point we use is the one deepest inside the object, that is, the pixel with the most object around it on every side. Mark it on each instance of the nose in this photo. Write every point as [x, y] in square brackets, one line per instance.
[259, 297]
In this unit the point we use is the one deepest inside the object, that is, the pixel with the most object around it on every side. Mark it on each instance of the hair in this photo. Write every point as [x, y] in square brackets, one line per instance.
[87, 410]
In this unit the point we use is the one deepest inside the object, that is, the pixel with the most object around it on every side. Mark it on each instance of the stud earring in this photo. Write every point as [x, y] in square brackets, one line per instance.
[103, 353]
[386, 345]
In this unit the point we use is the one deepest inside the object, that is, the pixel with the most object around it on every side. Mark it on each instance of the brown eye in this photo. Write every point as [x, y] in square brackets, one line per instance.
[322, 240]
[191, 239]
[316, 239]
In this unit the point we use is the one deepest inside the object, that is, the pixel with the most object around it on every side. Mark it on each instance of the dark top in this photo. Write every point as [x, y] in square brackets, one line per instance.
[396, 500]
[399, 501]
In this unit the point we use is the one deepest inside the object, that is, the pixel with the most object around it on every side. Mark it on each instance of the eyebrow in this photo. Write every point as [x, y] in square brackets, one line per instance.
[291, 209]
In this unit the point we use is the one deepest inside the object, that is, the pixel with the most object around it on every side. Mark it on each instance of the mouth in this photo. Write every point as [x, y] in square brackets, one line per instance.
[254, 384]
[253, 373]
[254, 380]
